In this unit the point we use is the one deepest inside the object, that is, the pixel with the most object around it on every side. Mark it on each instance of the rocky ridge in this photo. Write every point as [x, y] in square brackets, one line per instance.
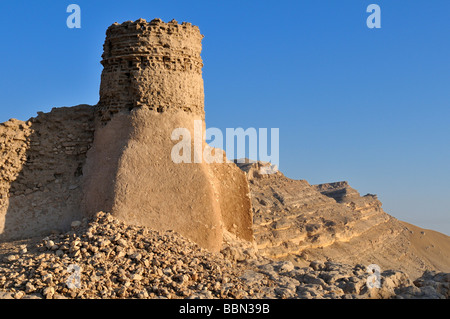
[295, 220]
[292, 215]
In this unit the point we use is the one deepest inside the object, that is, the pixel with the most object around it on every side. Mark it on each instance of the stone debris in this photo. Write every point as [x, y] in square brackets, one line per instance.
[105, 258]
[119, 261]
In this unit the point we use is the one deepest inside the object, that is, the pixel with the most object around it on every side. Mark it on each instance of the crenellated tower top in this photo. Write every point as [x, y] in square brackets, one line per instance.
[151, 64]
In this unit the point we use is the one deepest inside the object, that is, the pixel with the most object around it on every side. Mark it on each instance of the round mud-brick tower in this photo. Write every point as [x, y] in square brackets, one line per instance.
[151, 85]
[153, 65]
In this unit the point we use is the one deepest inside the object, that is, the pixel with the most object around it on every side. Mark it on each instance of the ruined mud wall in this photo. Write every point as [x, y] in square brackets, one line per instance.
[41, 168]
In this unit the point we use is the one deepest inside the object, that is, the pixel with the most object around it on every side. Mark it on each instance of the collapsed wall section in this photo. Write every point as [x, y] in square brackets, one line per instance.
[41, 168]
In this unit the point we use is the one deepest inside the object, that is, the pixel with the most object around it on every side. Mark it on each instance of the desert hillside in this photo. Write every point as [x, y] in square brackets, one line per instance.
[303, 222]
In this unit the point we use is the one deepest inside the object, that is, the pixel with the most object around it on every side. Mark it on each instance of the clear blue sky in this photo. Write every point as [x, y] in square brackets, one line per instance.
[370, 106]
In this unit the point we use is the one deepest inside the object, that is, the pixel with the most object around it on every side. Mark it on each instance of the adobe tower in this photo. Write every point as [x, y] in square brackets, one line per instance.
[152, 84]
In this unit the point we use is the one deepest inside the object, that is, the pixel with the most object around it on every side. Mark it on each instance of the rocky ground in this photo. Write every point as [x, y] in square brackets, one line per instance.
[105, 258]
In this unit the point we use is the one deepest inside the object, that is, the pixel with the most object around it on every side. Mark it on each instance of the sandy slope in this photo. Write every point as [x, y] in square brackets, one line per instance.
[432, 246]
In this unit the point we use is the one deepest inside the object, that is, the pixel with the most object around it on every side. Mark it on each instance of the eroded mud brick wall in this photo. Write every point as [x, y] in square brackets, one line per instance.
[41, 167]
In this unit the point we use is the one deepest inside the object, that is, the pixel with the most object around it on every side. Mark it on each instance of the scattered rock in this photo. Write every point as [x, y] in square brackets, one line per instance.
[105, 258]
[317, 265]
[11, 258]
[75, 224]
[19, 295]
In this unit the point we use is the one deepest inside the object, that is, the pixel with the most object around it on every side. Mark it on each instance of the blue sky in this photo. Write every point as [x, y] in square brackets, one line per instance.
[370, 106]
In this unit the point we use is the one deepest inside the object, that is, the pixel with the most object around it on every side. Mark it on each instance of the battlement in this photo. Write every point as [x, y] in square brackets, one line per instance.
[141, 38]
[155, 65]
